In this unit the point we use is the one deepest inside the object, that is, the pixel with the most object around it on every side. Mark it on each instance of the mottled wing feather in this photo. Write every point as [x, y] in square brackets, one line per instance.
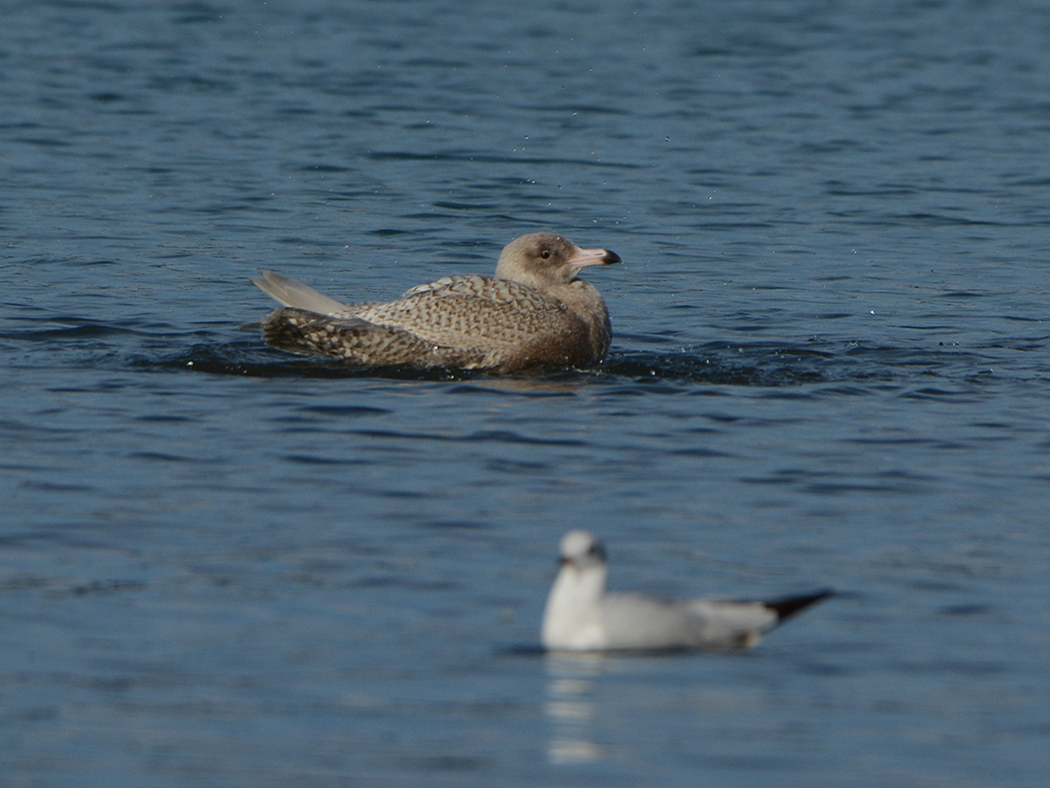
[353, 339]
[473, 311]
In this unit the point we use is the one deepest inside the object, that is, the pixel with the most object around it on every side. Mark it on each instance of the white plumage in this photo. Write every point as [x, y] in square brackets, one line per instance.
[582, 616]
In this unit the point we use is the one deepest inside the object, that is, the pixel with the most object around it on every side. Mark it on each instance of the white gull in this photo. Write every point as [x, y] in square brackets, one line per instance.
[582, 616]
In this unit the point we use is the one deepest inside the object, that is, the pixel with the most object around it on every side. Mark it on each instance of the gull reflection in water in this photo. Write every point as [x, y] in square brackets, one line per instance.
[571, 710]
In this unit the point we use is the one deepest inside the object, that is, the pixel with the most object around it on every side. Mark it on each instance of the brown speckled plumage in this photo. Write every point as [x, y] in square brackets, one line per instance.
[535, 311]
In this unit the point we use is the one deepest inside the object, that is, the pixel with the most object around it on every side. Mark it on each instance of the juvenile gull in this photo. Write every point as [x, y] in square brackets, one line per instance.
[533, 312]
[582, 616]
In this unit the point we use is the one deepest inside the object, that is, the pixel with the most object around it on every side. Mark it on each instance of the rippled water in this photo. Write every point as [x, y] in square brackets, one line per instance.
[223, 565]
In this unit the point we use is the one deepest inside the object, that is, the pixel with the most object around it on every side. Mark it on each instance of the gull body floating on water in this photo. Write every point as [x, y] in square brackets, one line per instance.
[582, 616]
[533, 312]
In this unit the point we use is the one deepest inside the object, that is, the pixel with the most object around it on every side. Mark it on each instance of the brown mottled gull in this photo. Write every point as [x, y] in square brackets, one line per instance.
[533, 312]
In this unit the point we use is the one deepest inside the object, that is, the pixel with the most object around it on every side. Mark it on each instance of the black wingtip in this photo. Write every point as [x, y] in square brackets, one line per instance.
[790, 605]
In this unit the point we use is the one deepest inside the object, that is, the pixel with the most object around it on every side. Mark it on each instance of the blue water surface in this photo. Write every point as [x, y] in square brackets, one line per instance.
[224, 565]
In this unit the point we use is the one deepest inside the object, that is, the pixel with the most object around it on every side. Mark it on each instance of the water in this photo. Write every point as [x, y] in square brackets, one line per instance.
[222, 565]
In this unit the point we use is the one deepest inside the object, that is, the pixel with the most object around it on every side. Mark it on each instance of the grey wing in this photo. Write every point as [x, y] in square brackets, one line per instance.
[733, 623]
[633, 621]
[637, 622]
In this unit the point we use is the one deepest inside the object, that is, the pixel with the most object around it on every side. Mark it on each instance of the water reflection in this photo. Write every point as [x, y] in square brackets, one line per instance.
[571, 710]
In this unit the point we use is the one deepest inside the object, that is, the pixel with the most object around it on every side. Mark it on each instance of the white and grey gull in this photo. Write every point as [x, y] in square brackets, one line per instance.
[581, 616]
[534, 312]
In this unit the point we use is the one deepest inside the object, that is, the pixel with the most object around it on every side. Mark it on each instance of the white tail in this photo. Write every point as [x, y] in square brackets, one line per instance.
[296, 294]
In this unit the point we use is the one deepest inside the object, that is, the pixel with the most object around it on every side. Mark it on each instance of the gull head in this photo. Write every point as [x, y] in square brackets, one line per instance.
[581, 550]
[545, 260]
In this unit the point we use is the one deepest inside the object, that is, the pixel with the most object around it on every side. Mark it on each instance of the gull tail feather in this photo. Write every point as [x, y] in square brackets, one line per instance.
[297, 295]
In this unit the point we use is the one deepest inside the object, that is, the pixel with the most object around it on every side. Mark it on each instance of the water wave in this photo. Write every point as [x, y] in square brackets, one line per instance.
[754, 364]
